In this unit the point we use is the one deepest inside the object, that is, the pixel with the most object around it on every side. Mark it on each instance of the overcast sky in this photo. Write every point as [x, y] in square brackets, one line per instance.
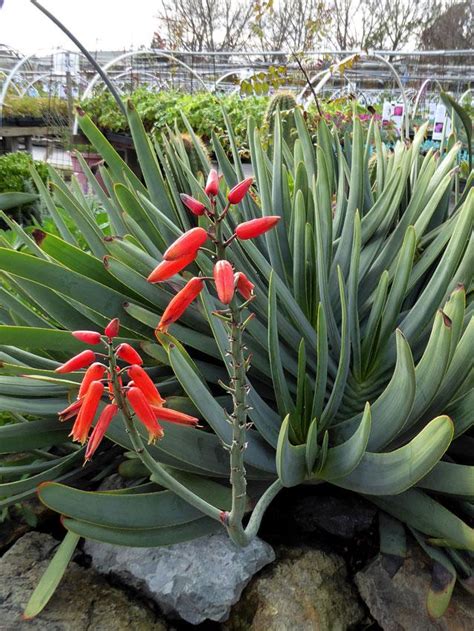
[99, 24]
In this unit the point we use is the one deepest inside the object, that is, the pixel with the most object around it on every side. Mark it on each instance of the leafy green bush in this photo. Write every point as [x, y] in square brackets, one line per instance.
[15, 177]
[49, 109]
[361, 339]
[165, 109]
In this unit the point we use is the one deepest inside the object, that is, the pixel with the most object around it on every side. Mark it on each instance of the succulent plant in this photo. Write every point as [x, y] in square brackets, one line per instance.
[194, 158]
[361, 340]
[284, 103]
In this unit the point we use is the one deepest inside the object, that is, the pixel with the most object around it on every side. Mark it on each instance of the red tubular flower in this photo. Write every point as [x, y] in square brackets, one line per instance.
[167, 269]
[166, 414]
[188, 243]
[212, 184]
[100, 428]
[70, 411]
[236, 194]
[180, 303]
[256, 227]
[196, 207]
[89, 337]
[112, 329]
[84, 419]
[141, 380]
[77, 362]
[142, 409]
[95, 372]
[243, 285]
[224, 277]
[128, 354]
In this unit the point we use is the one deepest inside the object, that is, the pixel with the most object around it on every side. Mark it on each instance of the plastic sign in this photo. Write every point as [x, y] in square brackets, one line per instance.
[442, 123]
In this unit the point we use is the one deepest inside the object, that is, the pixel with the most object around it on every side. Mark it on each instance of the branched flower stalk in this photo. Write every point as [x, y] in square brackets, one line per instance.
[235, 291]
[139, 400]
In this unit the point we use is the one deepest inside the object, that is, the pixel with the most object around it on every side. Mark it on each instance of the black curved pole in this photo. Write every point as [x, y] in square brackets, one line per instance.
[86, 54]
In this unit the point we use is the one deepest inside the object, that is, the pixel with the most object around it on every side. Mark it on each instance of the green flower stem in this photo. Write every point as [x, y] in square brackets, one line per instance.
[238, 385]
[239, 388]
[159, 473]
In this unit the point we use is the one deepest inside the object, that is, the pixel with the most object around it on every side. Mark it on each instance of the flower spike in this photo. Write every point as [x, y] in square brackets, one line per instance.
[188, 243]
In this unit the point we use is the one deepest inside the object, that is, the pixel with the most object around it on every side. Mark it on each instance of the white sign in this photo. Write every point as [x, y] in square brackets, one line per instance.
[65, 62]
[442, 123]
[393, 112]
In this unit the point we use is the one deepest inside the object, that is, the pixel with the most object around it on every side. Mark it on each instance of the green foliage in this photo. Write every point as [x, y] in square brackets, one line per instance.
[362, 339]
[160, 110]
[261, 82]
[15, 177]
[48, 109]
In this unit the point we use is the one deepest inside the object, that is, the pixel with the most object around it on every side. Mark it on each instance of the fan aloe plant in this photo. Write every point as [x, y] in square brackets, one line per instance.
[361, 338]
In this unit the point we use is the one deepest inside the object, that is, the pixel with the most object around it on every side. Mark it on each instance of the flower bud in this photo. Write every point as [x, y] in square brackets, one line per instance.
[142, 380]
[224, 277]
[95, 372]
[70, 411]
[174, 416]
[196, 207]
[84, 419]
[212, 184]
[188, 243]
[145, 414]
[100, 428]
[180, 303]
[128, 354]
[243, 285]
[112, 329]
[236, 194]
[256, 227]
[167, 269]
[77, 362]
[88, 337]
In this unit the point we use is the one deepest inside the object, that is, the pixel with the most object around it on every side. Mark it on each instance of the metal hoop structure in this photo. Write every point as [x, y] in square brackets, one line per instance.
[20, 63]
[421, 91]
[329, 73]
[146, 51]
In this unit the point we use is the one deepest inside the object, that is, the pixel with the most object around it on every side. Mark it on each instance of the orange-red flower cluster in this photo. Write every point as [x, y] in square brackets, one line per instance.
[140, 393]
[185, 249]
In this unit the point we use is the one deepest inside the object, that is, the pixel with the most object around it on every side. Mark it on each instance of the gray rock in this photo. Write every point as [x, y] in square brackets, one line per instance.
[196, 580]
[398, 603]
[304, 590]
[340, 516]
[84, 601]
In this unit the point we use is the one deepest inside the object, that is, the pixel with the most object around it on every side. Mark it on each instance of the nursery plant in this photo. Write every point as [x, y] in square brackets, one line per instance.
[358, 336]
[18, 197]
